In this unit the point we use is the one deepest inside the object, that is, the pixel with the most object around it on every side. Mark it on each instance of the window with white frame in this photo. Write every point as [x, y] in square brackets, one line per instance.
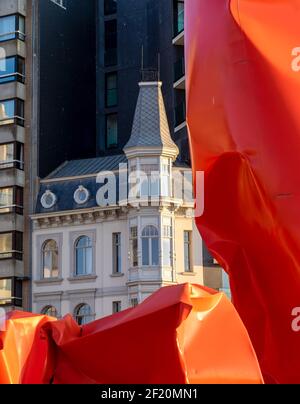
[167, 245]
[83, 256]
[149, 180]
[50, 253]
[166, 178]
[150, 246]
[188, 251]
[83, 314]
[134, 246]
[49, 311]
[117, 257]
[117, 307]
[134, 302]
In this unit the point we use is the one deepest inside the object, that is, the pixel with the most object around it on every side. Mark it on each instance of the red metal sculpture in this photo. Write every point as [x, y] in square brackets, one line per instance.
[173, 337]
[243, 96]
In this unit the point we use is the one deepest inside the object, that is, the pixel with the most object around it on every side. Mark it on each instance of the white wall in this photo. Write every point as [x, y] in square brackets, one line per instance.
[102, 288]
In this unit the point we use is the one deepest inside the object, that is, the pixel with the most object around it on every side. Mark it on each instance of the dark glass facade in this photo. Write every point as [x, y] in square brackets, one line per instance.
[131, 35]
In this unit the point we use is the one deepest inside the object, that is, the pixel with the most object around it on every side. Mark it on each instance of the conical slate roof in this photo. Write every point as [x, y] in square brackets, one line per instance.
[150, 126]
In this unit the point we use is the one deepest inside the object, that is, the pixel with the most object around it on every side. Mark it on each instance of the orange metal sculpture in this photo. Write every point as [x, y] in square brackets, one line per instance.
[181, 334]
[243, 77]
[243, 95]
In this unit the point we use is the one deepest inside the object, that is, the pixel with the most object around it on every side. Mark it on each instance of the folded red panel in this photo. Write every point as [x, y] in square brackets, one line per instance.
[243, 97]
[181, 334]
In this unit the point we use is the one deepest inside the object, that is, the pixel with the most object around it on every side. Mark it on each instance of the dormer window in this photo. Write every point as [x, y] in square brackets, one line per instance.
[48, 200]
[81, 195]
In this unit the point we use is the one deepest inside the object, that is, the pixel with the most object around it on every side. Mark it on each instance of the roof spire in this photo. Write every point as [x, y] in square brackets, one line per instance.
[150, 130]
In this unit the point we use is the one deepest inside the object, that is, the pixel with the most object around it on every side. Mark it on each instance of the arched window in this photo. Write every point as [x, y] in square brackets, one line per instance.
[49, 311]
[83, 256]
[50, 260]
[83, 314]
[150, 242]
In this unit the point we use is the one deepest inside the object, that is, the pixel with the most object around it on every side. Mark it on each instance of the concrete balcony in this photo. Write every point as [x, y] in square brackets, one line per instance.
[14, 47]
[179, 39]
[12, 133]
[12, 176]
[10, 222]
[11, 267]
[180, 84]
[150, 274]
[12, 90]
[8, 7]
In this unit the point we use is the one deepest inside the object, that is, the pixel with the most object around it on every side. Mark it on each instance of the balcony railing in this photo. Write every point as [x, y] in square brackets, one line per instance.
[7, 36]
[16, 120]
[12, 164]
[8, 78]
[18, 255]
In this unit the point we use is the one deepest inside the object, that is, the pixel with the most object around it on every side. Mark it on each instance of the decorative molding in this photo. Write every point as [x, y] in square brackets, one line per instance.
[82, 279]
[117, 275]
[76, 217]
[76, 292]
[46, 295]
[112, 291]
[49, 282]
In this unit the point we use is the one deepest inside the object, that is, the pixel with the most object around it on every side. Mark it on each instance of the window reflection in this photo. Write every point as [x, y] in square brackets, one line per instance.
[83, 314]
[12, 27]
[50, 260]
[84, 256]
[150, 246]
[5, 291]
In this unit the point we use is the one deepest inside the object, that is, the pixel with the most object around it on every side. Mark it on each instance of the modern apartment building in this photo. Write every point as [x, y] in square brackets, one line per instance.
[135, 34]
[13, 94]
[47, 115]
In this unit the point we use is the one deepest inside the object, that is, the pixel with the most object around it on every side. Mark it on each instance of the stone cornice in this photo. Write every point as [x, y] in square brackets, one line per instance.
[76, 217]
[99, 215]
[148, 151]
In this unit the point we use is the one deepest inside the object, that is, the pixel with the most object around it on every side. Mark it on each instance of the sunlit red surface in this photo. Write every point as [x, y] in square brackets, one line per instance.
[181, 334]
[243, 101]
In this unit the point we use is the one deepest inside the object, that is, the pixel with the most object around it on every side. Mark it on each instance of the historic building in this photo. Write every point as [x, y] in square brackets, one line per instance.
[41, 121]
[97, 252]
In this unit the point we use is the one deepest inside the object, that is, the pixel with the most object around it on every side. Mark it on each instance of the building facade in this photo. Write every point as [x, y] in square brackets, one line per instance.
[96, 253]
[13, 135]
[41, 120]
